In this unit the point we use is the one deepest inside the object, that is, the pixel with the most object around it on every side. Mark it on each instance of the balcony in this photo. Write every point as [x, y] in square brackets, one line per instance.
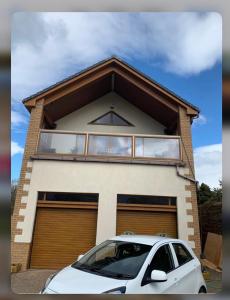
[100, 145]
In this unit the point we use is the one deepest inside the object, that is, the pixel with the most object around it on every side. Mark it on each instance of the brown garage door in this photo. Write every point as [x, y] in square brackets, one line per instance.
[146, 214]
[147, 222]
[61, 234]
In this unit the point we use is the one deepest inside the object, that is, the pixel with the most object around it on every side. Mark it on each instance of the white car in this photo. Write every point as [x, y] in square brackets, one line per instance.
[132, 264]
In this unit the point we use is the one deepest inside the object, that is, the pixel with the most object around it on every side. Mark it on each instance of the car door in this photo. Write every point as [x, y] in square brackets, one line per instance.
[186, 266]
[162, 260]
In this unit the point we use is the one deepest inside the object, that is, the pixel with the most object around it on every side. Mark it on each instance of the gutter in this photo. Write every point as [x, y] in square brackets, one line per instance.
[185, 177]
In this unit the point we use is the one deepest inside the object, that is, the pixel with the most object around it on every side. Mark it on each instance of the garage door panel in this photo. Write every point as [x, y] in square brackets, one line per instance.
[60, 235]
[147, 222]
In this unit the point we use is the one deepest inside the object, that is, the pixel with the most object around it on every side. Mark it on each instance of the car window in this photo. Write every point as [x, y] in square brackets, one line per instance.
[162, 260]
[182, 254]
[115, 259]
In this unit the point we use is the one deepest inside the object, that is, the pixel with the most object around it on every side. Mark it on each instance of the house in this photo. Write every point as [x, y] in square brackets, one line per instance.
[108, 151]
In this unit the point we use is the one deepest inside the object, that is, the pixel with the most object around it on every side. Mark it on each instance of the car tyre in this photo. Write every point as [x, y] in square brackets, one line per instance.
[202, 290]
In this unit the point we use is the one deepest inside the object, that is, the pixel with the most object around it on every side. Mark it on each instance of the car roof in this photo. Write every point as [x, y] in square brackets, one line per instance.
[143, 239]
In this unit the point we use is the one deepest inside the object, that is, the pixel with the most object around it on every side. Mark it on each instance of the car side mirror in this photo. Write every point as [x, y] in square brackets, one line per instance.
[80, 256]
[158, 276]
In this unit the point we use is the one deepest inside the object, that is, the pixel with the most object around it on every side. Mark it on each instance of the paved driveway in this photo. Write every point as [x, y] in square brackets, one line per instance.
[214, 283]
[30, 281]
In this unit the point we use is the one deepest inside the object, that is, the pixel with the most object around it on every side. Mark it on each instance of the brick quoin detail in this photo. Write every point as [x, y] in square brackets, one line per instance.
[187, 154]
[20, 251]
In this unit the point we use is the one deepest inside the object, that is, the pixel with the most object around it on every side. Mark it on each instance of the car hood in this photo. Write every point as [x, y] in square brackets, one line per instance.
[74, 281]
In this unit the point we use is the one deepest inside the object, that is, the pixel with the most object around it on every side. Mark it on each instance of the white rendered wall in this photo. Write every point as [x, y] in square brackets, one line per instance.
[78, 120]
[107, 179]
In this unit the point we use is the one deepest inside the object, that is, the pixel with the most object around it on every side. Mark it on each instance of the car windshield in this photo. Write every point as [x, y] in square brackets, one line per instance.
[116, 259]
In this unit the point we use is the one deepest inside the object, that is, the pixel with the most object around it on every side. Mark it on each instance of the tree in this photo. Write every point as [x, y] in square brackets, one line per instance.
[217, 192]
[210, 210]
[204, 193]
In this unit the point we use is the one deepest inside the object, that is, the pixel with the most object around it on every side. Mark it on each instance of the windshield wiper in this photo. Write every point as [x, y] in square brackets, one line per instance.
[122, 276]
[89, 269]
[111, 274]
[81, 267]
[94, 269]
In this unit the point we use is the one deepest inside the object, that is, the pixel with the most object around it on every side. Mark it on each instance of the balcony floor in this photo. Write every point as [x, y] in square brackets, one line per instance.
[146, 161]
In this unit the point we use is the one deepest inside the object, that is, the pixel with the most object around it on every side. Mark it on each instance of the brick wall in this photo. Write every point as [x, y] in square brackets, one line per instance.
[187, 154]
[20, 250]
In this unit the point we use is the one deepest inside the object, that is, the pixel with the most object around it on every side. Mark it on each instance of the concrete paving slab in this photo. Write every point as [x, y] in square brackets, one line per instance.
[30, 281]
[214, 283]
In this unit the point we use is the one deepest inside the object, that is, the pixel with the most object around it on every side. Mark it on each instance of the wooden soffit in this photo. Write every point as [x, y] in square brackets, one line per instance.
[111, 75]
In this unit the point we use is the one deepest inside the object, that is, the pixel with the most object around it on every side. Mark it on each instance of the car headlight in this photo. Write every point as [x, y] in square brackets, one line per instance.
[119, 290]
[48, 282]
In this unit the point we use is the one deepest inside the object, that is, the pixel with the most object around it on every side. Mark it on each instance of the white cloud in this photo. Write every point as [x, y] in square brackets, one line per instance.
[197, 43]
[46, 47]
[17, 118]
[16, 149]
[208, 164]
[202, 120]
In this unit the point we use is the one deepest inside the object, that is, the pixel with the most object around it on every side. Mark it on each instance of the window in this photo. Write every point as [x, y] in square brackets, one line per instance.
[182, 254]
[111, 118]
[110, 145]
[141, 199]
[157, 147]
[162, 260]
[51, 142]
[72, 197]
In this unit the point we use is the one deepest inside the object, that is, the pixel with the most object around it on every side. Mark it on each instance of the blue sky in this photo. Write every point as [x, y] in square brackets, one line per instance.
[181, 51]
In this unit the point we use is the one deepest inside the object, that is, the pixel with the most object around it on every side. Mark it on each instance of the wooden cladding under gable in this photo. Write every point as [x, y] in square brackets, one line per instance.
[112, 75]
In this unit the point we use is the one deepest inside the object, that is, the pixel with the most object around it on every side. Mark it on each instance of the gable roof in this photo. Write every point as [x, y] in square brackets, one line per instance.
[99, 63]
[112, 74]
